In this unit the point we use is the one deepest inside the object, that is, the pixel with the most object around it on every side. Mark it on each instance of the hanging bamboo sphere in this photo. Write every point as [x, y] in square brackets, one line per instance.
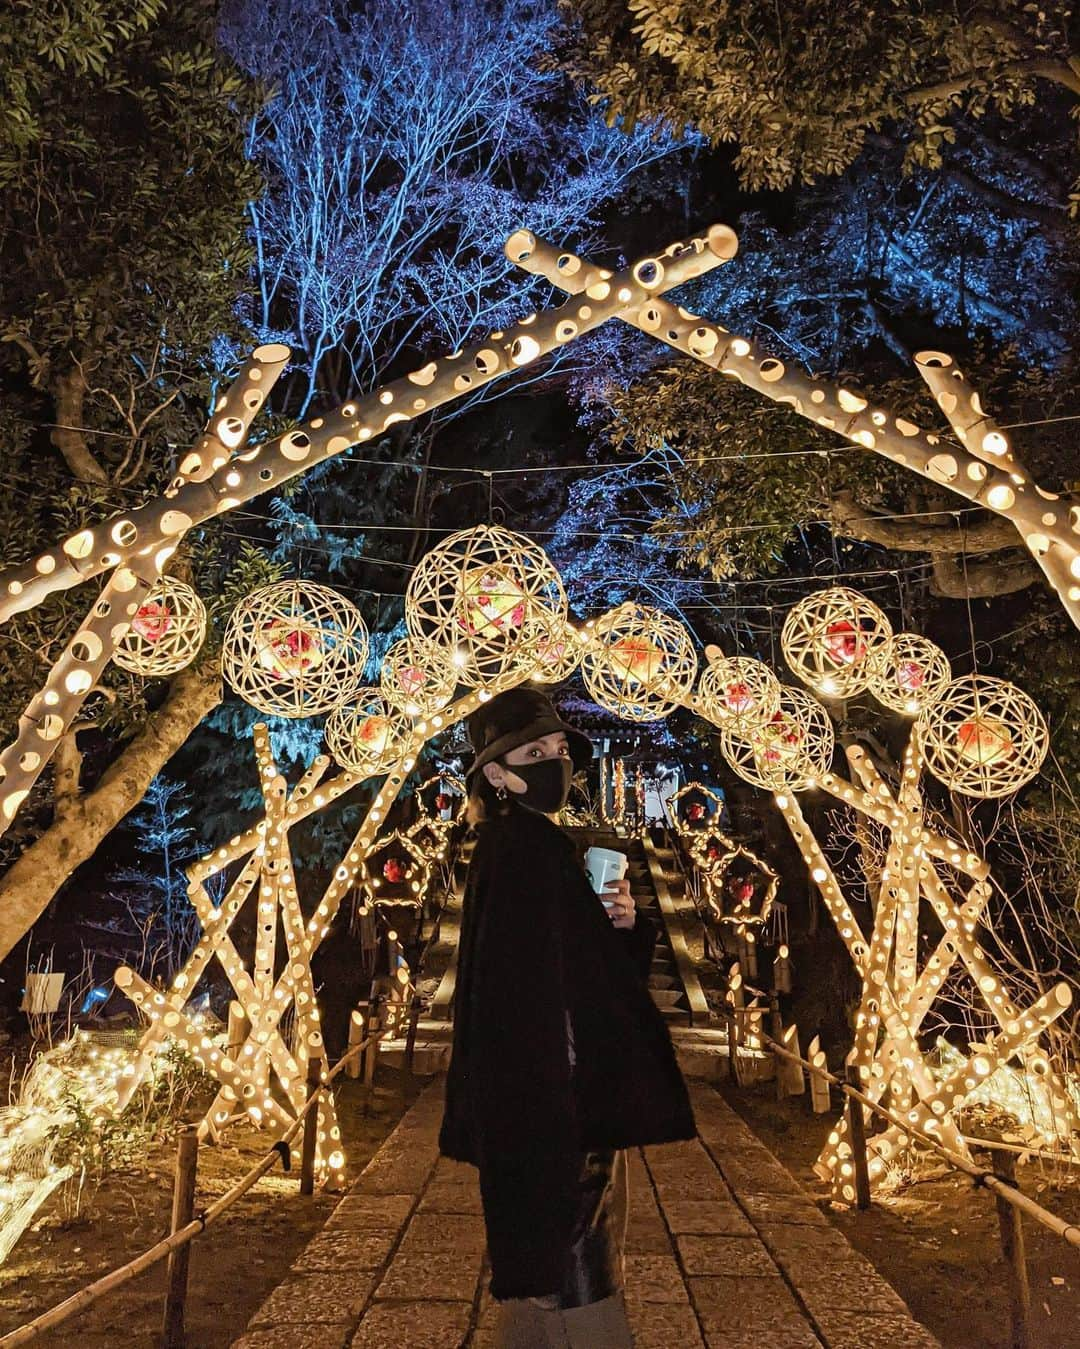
[484, 599]
[166, 632]
[737, 691]
[639, 664]
[983, 737]
[829, 637]
[790, 751]
[418, 685]
[294, 649]
[556, 656]
[368, 735]
[908, 673]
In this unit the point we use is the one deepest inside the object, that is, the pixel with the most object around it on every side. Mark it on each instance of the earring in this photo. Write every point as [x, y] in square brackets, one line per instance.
[500, 793]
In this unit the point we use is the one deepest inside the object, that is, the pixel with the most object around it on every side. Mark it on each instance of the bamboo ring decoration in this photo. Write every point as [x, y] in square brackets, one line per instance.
[417, 684]
[742, 914]
[166, 632]
[294, 649]
[983, 737]
[484, 599]
[829, 637]
[639, 663]
[790, 752]
[367, 735]
[737, 691]
[908, 673]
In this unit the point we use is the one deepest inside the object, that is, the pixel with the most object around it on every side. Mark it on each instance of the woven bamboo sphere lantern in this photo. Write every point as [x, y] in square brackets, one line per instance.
[737, 692]
[294, 649]
[639, 663]
[556, 656]
[484, 599]
[368, 735]
[983, 737]
[166, 632]
[829, 637]
[908, 673]
[790, 751]
[417, 684]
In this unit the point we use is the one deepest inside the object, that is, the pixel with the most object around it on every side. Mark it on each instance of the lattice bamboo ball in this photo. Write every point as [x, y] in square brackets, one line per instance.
[166, 633]
[418, 684]
[737, 692]
[829, 637]
[983, 737]
[790, 751]
[368, 736]
[293, 649]
[908, 673]
[640, 663]
[556, 657]
[484, 599]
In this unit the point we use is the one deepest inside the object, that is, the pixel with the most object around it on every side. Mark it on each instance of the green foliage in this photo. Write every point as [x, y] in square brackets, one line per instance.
[797, 87]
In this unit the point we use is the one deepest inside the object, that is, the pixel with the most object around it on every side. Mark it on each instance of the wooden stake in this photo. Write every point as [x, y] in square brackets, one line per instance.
[1010, 1226]
[173, 1335]
[311, 1129]
[372, 1051]
[410, 1038]
[857, 1138]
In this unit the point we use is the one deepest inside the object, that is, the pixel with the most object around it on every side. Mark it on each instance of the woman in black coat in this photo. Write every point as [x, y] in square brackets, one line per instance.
[560, 1057]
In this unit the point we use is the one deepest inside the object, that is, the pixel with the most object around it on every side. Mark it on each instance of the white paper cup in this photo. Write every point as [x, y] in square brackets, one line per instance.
[602, 866]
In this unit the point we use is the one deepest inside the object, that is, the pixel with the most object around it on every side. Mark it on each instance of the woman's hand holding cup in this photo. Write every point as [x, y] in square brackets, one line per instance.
[619, 903]
[606, 870]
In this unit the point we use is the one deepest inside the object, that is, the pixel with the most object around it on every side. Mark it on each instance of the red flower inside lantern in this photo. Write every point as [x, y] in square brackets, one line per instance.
[844, 642]
[983, 740]
[442, 801]
[637, 658]
[152, 620]
[910, 676]
[744, 892]
[712, 852]
[780, 738]
[695, 811]
[288, 650]
[394, 870]
[494, 603]
[738, 698]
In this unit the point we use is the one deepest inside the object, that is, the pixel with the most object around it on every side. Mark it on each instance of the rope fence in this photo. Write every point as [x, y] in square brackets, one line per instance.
[180, 1238]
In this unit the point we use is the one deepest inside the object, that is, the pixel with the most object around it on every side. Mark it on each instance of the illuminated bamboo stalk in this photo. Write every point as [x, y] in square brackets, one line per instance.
[263, 1109]
[230, 421]
[975, 429]
[52, 710]
[930, 1113]
[155, 529]
[1048, 522]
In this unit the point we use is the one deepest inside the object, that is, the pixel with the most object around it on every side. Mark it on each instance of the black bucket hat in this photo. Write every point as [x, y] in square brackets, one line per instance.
[514, 718]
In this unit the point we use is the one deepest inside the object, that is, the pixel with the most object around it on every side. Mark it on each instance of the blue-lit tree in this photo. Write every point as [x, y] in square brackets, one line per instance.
[401, 145]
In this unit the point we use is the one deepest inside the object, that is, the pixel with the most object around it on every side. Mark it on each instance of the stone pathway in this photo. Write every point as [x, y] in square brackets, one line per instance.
[724, 1251]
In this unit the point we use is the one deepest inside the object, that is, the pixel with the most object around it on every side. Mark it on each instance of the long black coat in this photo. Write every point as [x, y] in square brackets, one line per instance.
[558, 1047]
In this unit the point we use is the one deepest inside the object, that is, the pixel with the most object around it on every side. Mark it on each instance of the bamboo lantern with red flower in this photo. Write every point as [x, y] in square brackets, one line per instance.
[166, 632]
[416, 683]
[484, 601]
[736, 691]
[908, 673]
[983, 737]
[368, 736]
[829, 639]
[790, 752]
[639, 663]
[294, 649]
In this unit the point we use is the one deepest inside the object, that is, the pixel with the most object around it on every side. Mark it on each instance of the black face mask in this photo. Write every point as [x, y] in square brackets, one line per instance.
[547, 784]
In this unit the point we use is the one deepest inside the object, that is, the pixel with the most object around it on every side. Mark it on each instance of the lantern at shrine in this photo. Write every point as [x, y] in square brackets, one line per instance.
[983, 737]
[908, 673]
[639, 663]
[166, 633]
[736, 691]
[294, 649]
[368, 736]
[416, 683]
[790, 752]
[484, 600]
[829, 637]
